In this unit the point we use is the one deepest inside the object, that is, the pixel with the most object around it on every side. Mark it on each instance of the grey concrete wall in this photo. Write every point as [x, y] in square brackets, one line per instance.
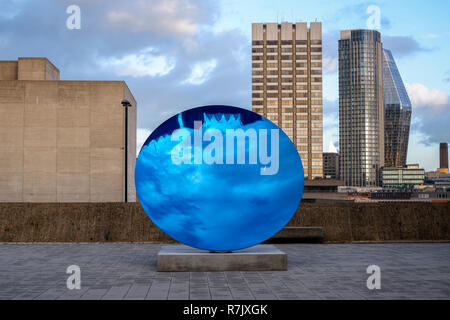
[51, 71]
[8, 70]
[301, 31]
[36, 69]
[316, 30]
[63, 141]
[257, 31]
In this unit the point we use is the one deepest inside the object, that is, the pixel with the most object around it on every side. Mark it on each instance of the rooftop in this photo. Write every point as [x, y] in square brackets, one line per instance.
[315, 271]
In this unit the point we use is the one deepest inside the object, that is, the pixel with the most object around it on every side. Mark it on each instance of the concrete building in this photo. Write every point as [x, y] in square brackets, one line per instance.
[443, 157]
[63, 141]
[438, 179]
[361, 110]
[397, 114]
[287, 85]
[442, 181]
[324, 190]
[402, 178]
[331, 165]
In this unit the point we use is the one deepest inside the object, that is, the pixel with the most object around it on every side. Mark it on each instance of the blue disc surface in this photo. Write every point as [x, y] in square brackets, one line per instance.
[219, 178]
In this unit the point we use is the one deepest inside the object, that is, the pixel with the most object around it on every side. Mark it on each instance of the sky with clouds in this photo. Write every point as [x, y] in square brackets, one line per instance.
[177, 54]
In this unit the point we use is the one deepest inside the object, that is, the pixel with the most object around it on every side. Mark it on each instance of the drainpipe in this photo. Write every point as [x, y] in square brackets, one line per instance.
[126, 104]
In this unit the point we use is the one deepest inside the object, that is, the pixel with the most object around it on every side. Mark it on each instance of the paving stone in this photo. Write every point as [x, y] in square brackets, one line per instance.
[94, 294]
[138, 291]
[116, 292]
[315, 271]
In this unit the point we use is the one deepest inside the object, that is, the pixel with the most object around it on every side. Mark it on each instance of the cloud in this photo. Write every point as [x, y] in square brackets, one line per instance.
[141, 137]
[402, 45]
[430, 114]
[154, 62]
[330, 65]
[330, 51]
[176, 17]
[349, 14]
[399, 45]
[330, 123]
[206, 78]
[332, 148]
[385, 23]
[356, 16]
[10, 9]
[434, 129]
[423, 97]
[144, 63]
[201, 71]
[421, 151]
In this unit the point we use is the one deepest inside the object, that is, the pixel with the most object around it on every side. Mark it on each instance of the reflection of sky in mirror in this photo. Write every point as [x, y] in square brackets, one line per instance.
[217, 206]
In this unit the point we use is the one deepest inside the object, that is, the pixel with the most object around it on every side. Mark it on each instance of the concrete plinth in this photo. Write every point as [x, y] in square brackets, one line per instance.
[258, 258]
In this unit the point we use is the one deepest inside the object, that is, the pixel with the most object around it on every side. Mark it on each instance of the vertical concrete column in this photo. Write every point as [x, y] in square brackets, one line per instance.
[272, 42]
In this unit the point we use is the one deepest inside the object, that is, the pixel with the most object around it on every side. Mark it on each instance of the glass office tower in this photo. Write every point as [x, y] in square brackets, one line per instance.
[361, 110]
[397, 114]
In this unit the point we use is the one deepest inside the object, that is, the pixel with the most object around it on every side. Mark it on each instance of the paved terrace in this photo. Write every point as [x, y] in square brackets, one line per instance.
[316, 271]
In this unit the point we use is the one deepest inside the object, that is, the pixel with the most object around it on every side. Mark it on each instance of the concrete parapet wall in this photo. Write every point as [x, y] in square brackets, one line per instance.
[387, 221]
[127, 222]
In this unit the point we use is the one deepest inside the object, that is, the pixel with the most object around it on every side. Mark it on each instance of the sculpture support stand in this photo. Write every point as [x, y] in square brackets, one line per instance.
[263, 257]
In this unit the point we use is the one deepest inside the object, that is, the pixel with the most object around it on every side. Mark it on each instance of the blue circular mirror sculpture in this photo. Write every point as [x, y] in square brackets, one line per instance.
[219, 178]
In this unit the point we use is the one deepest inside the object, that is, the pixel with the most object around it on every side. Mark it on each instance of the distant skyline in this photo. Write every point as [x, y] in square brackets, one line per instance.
[174, 54]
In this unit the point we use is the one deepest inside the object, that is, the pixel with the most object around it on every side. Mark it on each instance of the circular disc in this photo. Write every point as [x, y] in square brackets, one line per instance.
[219, 178]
